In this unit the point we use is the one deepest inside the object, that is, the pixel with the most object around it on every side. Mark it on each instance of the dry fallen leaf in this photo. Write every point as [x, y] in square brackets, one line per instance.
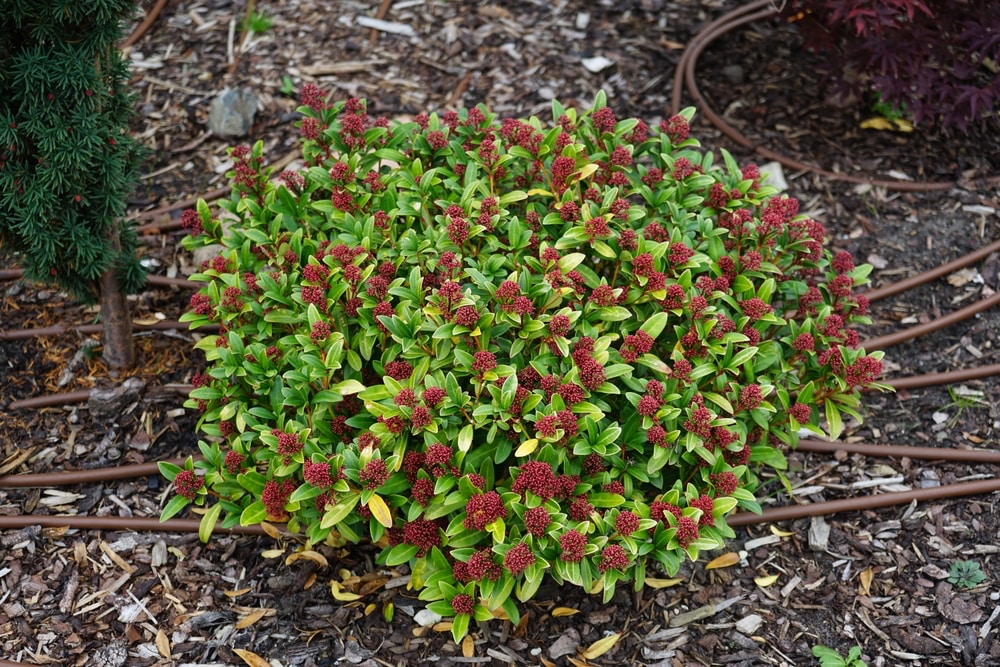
[781, 533]
[564, 611]
[725, 560]
[236, 594]
[314, 556]
[340, 594]
[163, 644]
[866, 580]
[443, 626]
[272, 553]
[962, 276]
[653, 582]
[764, 582]
[601, 646]
[251, 658]
[468, 646]
[253, 617]
[270, 529]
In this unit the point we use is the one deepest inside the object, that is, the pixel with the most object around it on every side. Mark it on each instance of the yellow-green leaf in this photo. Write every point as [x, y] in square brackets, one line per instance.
[764, 582]
[340, 594]
[380, 510]
[601, 646]
[526, 447]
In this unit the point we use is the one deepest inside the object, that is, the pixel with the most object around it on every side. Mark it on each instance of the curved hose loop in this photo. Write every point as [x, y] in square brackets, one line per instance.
[146, 24]
[686, 73]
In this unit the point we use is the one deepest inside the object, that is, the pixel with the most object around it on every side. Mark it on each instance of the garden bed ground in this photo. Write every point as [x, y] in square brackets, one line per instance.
[879, 579]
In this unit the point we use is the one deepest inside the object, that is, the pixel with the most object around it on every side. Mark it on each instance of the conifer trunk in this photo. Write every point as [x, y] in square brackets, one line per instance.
[119, 349]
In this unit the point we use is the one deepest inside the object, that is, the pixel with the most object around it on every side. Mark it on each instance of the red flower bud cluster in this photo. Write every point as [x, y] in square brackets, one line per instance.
[483, 509]
[676, 128]
[317, 474]
[233, 462]
[725, 483]
[275, 496]
[483, 362]
[626, 522]
[187, 484]
[463, 604]
[635, 345]
[423, 534]
[518, 559]
[706, 505]
[537, 520]
[580, 509]
[374, 474]
[423, 490]
[536, 477]
[613, 557]
[687, 531]
[572, 544]
[700, 422]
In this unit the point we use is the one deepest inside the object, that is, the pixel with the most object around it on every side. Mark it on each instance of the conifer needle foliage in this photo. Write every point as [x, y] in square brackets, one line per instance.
[66, 159]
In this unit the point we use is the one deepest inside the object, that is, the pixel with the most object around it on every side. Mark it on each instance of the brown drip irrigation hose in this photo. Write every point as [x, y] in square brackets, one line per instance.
[686, 73]
[86, 329]
[55, 400]
[146, 24]
[913, 452]
[867, 502]
[151, 524]
[71, 477]
[948, 377]
[882, 342]
[769, 515]
[159, 281]
[913, 281]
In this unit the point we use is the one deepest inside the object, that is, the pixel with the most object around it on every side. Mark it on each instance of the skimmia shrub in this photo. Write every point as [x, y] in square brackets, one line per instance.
[936, 58]
[506, 350]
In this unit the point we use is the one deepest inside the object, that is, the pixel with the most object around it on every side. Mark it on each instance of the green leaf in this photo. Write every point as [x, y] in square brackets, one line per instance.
[253, 514]
[743, 356]
[835, 423]
[459, 627]
[655, 324]
[176, 504]
[208, 521]
[168, 470]
[464, 440]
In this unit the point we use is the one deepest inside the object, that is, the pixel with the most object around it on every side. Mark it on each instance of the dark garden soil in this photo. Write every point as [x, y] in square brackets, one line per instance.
[877, 579]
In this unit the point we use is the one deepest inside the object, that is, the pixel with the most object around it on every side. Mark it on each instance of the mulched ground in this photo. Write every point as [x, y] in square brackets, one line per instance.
[876, 578]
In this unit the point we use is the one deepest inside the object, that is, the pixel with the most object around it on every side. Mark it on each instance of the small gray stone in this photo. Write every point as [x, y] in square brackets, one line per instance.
[819, 533]
[426, 618]
[232, 113]
[749, 624]
[566, 644]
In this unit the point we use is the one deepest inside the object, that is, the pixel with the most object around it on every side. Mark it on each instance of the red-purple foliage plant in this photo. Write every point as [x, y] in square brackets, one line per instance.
[938, 59]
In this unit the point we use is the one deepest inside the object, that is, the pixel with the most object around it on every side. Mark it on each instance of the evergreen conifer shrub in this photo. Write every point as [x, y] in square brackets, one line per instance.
[66, 158]
[509, 350]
